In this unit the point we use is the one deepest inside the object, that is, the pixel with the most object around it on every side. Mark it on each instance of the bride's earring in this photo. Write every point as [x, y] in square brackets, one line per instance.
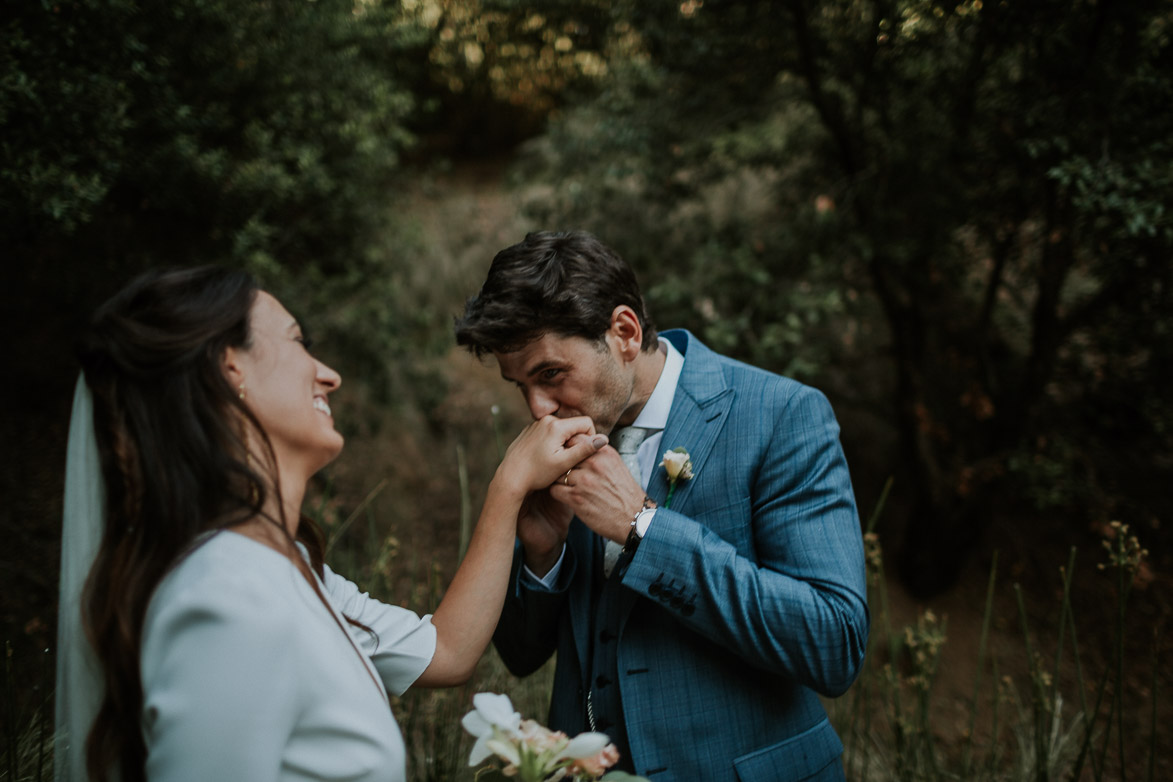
[240, 391]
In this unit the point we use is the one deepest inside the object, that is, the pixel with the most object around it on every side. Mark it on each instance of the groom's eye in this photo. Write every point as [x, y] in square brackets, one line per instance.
[550, 374]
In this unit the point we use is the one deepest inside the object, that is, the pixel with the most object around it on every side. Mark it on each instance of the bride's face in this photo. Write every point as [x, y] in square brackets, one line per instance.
[287, 389]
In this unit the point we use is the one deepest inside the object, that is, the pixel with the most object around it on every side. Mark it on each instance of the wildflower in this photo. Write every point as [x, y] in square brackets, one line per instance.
[873, 555]
[490, 711]
[1124, 550]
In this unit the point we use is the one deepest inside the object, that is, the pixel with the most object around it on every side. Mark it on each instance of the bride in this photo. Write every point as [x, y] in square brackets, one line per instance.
[201, 635]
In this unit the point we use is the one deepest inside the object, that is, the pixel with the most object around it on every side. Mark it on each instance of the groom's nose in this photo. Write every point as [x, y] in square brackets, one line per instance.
[541, 404]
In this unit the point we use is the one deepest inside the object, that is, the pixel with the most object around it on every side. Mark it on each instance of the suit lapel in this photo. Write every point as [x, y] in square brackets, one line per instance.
[695, 421]
[698, 414]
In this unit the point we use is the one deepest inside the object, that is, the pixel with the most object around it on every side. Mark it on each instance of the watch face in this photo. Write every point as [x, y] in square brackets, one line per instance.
[642, 520]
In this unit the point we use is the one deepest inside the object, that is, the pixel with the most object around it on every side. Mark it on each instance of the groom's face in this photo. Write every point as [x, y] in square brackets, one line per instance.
[569, 376]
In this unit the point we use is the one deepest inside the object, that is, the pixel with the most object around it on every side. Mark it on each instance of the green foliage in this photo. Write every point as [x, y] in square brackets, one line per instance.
[26, 734]
[201, 129]
[727, 244]
[963, 207]
[258, 134]
[266, 135]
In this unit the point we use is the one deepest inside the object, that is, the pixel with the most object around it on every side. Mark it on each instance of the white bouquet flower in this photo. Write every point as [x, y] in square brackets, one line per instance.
[532, 752]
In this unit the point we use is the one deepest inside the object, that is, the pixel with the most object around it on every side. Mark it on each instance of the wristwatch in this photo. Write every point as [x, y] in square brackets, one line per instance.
[639, 525]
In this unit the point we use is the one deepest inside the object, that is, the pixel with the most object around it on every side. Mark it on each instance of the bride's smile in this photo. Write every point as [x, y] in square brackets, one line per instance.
[287, 389]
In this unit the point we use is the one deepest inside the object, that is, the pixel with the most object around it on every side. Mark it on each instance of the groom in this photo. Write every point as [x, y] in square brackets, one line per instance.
[697, 636]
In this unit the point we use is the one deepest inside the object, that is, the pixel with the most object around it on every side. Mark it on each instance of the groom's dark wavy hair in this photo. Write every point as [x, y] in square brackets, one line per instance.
[171, 434]
[566, 284]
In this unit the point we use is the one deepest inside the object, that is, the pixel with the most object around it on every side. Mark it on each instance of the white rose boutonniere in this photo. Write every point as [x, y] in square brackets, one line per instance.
[678, 466]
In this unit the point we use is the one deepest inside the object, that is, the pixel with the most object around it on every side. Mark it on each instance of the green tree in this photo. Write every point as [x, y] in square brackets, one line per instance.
[202, 128]
[264, 134]
[990, 181]
[498, 68]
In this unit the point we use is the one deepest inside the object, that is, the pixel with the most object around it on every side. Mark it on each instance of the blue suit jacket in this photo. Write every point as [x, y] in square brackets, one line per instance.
[743, 601]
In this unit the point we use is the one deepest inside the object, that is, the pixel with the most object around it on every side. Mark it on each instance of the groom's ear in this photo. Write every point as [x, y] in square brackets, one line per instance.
[626, 331]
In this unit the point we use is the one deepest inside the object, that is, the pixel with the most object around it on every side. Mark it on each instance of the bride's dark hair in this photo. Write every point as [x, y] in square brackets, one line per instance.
[171, 435]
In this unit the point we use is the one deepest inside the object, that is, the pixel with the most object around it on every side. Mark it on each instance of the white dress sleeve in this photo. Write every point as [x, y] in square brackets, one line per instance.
[403, 643]
[220, 682]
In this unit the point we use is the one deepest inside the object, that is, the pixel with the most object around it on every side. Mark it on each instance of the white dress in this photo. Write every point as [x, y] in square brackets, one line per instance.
[247, 676]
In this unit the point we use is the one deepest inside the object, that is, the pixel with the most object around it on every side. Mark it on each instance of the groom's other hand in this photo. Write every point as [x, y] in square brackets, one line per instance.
[603, 494]
[541, 528]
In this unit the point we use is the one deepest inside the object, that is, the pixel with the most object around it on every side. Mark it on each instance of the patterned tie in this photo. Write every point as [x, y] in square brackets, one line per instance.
[627, 441]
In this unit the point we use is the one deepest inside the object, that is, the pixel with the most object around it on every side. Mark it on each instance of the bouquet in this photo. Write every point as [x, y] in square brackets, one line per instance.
[532, 752]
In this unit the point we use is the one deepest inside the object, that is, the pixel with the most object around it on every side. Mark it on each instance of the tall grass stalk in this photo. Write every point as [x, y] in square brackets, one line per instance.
[1064, 610]
[876, 577]
[1153, 684]
[1085, 750]
[28, 735]
[338, 532]
[987, 615]
[1124, 558]
[10, 738]
[893, 640]
[1067, 622]
[861, 703]
[47, 661]
[1038, 715]
[994, 760]
[1123, 582]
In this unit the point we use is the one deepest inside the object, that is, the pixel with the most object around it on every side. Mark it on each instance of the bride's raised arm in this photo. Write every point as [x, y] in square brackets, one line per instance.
[468, 613]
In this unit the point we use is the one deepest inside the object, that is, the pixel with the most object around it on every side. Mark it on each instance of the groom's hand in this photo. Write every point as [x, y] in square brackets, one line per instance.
[541, 527]
[602, 492]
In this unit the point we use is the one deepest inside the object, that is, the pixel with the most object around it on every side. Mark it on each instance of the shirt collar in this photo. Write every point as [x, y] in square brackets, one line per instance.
[654, 414]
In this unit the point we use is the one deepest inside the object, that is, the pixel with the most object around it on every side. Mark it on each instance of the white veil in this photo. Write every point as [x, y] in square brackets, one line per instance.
[79, 684]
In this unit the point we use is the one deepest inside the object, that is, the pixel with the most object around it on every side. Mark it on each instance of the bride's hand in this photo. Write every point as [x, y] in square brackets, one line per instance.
[545, 450]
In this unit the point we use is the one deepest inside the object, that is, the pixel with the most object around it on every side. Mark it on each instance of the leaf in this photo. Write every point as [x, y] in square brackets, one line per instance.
[491, 774]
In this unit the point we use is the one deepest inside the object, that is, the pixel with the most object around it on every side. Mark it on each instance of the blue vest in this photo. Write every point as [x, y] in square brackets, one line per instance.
[604, 704]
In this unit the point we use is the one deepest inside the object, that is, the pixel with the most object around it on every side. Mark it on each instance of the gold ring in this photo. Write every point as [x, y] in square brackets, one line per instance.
[566, 477]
